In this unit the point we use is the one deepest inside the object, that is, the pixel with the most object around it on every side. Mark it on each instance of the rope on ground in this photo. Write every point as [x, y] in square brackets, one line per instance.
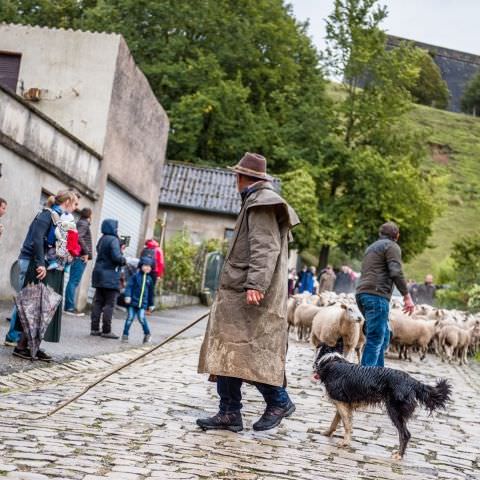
[121, 367]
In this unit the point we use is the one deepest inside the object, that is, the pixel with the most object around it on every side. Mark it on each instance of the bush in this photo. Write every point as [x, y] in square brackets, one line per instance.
[474, 299]
[180, 273]
[452, 298]
[185, 262]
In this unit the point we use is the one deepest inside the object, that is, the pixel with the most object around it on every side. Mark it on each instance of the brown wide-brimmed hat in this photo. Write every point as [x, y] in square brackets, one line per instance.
[252, 165]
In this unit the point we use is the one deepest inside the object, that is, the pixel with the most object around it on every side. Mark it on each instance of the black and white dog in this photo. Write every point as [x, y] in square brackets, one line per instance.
[350, 386]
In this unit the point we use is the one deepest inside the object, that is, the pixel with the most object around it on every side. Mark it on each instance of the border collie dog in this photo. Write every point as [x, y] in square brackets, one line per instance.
[350, 386]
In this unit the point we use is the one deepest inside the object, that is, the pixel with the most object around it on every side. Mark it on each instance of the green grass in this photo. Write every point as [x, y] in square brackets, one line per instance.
[459, 198]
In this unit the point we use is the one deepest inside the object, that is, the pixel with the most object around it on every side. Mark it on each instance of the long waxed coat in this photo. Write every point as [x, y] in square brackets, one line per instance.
[250, 341]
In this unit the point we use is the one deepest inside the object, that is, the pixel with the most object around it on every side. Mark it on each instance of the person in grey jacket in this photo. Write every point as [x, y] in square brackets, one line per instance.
[381, 270]
[106, 279]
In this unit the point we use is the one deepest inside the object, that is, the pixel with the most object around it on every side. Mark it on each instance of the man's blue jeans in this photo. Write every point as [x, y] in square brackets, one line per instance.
[12, 334]
[76, 272]
[140, 314]
[229, 391]
[375, 311]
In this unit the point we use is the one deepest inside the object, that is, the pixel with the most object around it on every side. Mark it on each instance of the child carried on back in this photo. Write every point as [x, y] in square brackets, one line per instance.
[139, 296]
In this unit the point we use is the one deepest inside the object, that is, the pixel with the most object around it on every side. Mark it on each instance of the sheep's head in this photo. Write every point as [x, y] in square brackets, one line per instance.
[352, 312]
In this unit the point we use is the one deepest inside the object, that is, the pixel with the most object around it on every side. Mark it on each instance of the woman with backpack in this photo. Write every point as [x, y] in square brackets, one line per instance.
[40, 244]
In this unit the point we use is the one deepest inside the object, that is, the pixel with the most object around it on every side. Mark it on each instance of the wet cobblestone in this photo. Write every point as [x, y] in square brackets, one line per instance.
[140, 424]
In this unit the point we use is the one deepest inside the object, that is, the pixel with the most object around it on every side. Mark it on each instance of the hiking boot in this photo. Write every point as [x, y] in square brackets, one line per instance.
[22, 353]
[222, 421]
[124, 338]
[43, 357]
[147, 338]
[273, 416]
[74, 312]
[95, 333]
[111, 335]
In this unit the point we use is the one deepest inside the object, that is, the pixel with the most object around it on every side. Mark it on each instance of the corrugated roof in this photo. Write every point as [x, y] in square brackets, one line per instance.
[201, 188]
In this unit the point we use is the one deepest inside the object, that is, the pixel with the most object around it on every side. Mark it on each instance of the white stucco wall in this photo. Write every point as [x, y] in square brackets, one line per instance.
[23, 195]
[74, 70]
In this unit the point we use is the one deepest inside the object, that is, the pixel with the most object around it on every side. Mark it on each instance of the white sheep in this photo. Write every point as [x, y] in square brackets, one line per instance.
[335, 321]
[302, 319]
[408, 332]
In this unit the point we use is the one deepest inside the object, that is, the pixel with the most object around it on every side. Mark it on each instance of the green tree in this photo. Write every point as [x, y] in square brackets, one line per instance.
[372, 164]
[298, 188]
[228, 72]
[466, 259]
[471, 97]
[430, 88]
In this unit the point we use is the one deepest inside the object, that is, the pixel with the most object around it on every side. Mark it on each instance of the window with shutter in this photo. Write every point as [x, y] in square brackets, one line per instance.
[9, 68]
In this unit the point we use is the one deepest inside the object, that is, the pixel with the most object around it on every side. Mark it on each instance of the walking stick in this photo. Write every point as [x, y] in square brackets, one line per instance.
[121, 367]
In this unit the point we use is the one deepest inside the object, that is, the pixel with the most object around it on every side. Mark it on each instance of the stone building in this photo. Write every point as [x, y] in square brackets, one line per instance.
[200, 200]
[75, 111]
[457, 68]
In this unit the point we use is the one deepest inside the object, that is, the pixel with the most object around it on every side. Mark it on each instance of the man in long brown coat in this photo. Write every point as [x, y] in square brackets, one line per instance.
[246, 336]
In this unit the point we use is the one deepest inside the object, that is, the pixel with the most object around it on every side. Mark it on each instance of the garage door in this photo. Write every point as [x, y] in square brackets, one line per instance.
[121, 206]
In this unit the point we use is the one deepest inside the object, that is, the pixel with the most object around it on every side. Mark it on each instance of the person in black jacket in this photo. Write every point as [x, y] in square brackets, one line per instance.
[381, 269]
[106, 279]
[33, 264]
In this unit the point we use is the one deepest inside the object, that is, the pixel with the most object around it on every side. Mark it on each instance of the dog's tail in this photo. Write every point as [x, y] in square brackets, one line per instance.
[433, 397]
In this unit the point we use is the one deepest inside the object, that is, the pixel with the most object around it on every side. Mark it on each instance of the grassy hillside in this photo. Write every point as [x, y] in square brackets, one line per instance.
[456, 153]
[455, 142]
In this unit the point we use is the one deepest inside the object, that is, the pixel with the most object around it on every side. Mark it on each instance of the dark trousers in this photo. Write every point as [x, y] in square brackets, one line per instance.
[229, 391]
[103, 302]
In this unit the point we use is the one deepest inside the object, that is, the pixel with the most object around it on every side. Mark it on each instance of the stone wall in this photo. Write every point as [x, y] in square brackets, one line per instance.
[457, 68]
[73, 69]
[36, 157]
[200, 225]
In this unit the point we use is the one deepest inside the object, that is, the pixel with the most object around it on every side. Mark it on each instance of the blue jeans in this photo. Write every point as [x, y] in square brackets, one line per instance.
[140, 314]
[76, 272]
[229, 391]
[12, 334]
[375, 311]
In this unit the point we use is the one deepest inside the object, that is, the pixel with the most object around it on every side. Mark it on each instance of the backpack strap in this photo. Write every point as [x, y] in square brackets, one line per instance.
[55, 216]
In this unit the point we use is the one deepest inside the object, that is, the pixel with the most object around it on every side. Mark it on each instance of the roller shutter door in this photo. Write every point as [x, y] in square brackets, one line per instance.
[121, 206]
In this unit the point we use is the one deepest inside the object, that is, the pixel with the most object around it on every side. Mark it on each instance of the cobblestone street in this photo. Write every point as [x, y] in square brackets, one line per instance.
[140, 424]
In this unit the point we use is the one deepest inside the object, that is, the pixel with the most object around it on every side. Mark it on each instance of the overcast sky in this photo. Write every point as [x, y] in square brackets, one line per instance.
[446, 23]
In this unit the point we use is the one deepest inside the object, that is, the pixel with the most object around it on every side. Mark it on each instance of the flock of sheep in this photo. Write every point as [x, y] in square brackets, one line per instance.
[324, 318]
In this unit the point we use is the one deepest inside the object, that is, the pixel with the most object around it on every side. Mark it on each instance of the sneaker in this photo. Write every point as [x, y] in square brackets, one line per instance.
[43, 357]
[95, 333]
[22, 353]
[74, 312]
[147, 338]
[111, 335]
[124, 338]
[273, 416]
[10, 343]
[222, 421]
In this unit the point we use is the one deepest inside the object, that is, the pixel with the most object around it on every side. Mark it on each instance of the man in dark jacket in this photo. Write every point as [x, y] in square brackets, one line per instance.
[106, 279]
[79, 263]
[426, 292]
[381, 269]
